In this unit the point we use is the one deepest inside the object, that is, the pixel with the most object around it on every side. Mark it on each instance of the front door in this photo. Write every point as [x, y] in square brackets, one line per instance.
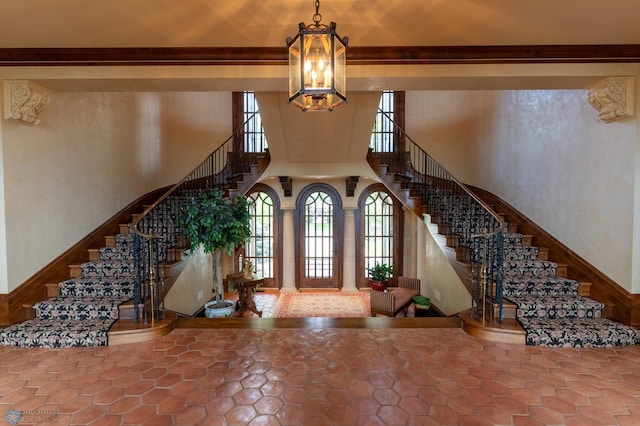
[319, 227]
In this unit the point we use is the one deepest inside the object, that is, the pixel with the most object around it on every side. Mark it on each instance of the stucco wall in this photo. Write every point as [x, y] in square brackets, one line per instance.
[545, 154]
[105, 149]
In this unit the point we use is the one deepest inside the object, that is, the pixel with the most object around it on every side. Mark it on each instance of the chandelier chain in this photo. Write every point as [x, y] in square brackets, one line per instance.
[317, 17]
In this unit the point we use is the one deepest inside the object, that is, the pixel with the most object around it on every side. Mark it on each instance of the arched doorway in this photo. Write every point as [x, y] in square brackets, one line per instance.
[319, 227]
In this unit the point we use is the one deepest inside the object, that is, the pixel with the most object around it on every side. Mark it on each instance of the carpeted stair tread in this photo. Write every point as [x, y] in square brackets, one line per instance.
[521, 253]
[530, 268]
[122, 287]
[564, 306]
[107, 268]
[56, 333]
[548, 286]
[583, 332]
[79, 308]
[117, 252]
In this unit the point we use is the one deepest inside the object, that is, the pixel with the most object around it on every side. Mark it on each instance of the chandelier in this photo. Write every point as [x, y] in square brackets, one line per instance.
[317, 66]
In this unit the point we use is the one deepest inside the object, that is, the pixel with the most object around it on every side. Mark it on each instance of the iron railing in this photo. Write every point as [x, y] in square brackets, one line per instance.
[158, 238]
[471, 227]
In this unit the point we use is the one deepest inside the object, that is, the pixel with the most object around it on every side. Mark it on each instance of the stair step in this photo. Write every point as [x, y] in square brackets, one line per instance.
[542, 287]
[579, 333]
[127, 310]
[78, 308]
[565, 306]
[125, 228]
[106, 268]
[531, 269]
[94, 254]
[543, 253]
[584, 289]
[55, 333]
[75, 271]
[53, 289]
[91, 287]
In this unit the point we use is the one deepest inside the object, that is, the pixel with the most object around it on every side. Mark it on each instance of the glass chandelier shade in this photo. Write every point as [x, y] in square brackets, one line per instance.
[317, 66]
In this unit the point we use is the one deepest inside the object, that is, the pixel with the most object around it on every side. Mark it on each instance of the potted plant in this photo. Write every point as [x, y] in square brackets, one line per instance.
[379, 276]
[422, 305]
[219, 225]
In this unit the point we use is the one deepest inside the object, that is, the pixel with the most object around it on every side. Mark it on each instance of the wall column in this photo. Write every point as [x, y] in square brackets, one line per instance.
[288, 251]
[349, 261]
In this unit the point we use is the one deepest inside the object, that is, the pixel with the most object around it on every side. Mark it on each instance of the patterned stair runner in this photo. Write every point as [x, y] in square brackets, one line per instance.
[86, 307]
[549, 307]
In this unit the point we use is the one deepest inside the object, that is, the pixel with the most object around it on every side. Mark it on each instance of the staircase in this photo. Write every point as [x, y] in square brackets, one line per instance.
[84, 307]
[523, 284]
[114, 285]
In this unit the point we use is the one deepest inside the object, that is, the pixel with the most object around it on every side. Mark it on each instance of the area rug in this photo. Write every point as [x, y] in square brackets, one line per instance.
[318, 304]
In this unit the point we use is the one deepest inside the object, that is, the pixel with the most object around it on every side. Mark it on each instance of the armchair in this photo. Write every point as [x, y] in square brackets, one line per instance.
[395, 299]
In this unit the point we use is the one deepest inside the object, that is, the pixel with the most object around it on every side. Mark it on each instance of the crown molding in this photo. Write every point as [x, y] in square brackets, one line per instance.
[392, 55]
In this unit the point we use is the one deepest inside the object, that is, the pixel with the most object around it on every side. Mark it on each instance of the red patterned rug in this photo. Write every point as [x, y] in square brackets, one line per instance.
[320, 304]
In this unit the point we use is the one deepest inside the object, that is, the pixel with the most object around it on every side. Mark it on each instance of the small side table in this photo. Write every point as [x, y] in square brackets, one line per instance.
[245, 296]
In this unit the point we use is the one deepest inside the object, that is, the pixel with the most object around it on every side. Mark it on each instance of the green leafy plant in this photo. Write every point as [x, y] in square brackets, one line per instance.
[380, 272]
[219, 225]
[423, 301]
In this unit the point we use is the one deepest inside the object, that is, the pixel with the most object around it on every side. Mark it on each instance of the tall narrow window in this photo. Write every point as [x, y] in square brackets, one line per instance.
[383, 128]
[380, 232]
[259, 249]
[378, 229]
[319, 235]
[254, 136]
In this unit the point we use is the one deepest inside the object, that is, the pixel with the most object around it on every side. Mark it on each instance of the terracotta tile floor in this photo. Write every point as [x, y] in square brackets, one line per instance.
[320, 377]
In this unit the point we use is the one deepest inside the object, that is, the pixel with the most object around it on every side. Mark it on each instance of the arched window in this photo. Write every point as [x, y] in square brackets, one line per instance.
[263, 248]
[380, 231]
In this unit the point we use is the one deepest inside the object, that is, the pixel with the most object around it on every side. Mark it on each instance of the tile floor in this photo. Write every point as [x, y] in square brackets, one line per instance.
[320, 377]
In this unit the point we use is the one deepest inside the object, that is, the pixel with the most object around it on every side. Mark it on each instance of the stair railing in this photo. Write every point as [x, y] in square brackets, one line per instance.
[157, 236]
[471, 226]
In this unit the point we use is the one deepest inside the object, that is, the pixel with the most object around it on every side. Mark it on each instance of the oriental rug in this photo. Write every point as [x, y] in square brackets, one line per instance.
[320, 304]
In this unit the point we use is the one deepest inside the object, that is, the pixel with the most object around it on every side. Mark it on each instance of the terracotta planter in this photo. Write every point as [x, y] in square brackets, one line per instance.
[378, 285]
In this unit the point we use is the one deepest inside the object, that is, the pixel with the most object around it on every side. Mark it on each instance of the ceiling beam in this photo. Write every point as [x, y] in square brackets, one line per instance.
[365, 55]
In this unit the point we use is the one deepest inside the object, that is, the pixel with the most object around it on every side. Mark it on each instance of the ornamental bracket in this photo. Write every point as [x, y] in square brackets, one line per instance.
[614, 98]
[23, 101]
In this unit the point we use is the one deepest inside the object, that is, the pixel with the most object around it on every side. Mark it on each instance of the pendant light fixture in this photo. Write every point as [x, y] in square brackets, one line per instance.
[317, 66]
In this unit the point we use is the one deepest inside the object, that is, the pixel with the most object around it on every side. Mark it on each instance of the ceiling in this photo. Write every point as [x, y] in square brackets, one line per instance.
[241, 23]
[267, 23]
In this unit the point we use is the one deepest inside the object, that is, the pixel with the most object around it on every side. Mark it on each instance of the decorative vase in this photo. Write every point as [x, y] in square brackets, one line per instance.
[378, 285]
[211, 311]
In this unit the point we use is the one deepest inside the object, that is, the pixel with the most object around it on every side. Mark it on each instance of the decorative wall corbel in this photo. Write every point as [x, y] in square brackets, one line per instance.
[23, 101]
[614, 98]
[352, 181]
[287, 185]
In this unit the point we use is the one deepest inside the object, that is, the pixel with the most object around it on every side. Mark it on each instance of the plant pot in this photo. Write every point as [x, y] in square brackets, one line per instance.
[422, 310]
[378, 285]
[210, 310]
